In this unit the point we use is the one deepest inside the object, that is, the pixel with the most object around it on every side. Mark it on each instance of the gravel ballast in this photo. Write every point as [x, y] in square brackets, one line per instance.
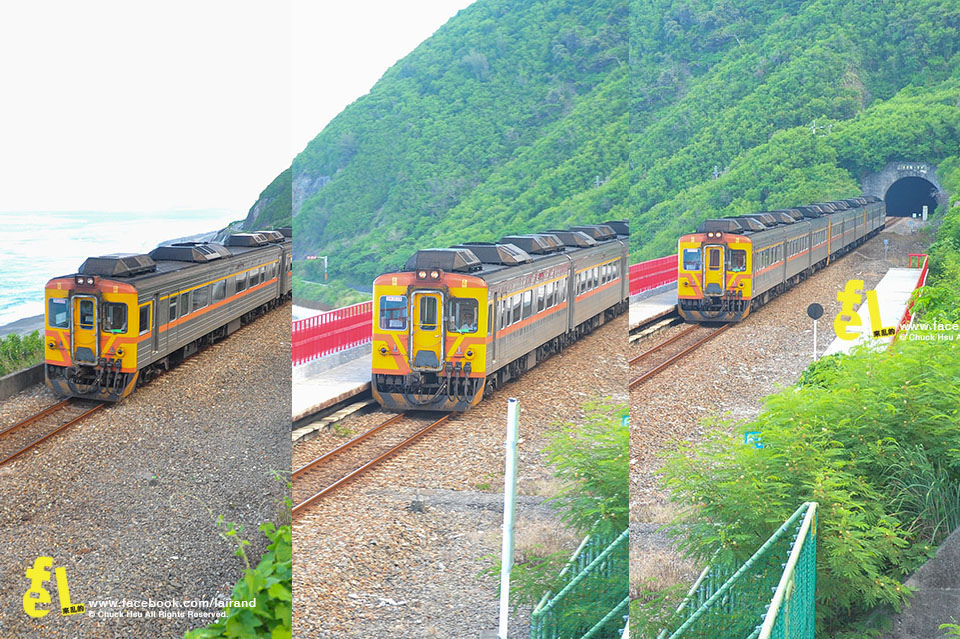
[126, 500]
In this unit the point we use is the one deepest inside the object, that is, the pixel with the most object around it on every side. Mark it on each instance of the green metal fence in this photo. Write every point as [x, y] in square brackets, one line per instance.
[592, 599]
[771, 596]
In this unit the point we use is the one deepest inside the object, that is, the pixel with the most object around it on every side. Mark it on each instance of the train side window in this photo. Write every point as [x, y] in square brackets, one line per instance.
[596, 277]
[516, 308]
[563, 288]
[393, 312]
[541, 296]
[691, 259]
[219, 290]
[551, 287]
[241, 282]
[490, 318]
[184, 304]
[201, 297]
[173, 308]
[145, 317]
[527, 304]
[463, 316]
[114, 317]
[57, 312]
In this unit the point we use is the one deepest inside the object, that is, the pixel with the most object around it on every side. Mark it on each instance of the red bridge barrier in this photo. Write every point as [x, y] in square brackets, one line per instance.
[652, 273]
[914, 260]
[332, 331]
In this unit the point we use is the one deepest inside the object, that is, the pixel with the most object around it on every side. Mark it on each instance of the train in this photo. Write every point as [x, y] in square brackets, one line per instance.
[456, 322]
[733, 265]
[123, 318]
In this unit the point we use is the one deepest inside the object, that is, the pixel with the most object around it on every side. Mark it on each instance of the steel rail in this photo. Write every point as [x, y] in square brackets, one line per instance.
[29, 420]
[339, 449]
[680, 355]
[35, 442]
[656, 348]
[298, 508]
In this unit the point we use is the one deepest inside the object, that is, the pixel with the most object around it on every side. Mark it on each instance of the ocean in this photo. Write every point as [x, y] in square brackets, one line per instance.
[40, 246]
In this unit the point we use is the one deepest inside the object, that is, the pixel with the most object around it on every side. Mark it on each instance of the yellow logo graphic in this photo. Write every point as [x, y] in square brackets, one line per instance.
[847, 317]
[38, 575]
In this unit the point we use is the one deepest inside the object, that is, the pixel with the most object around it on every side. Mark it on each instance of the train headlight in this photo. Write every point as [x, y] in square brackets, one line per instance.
[422, 275]
[469, 353]
[383, 350]
[434, 274]
[119, 352]
[51, 344]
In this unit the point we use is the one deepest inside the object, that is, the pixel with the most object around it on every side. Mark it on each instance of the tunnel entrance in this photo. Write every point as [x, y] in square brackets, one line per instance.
[909, 195]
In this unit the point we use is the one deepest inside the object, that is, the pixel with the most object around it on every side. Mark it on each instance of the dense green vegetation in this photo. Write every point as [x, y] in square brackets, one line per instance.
[512, 117]
[791, 102]
[875, 441]
[272, 208]
[17, 353]
[940, 299]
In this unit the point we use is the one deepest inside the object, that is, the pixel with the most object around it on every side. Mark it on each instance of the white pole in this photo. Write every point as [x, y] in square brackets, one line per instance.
[814, 340]
[509, 506]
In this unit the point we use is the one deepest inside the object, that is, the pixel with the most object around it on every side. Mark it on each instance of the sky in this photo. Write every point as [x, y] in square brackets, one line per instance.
[113, 105]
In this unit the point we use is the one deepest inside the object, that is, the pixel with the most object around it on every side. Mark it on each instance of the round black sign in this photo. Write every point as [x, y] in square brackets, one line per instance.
[815, 311]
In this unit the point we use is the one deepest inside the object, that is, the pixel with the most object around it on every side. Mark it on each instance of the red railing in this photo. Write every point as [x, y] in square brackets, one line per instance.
[332, 331]
[652, 273]
[914, 260]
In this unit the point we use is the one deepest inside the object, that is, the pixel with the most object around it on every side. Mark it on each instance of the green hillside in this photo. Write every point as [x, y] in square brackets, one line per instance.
[790, 102]
[512, 117]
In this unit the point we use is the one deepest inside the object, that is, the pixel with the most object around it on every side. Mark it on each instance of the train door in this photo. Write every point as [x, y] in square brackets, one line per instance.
[714, 274]
[84, 336]
[155, 312]
[426, 331]
[492, 322]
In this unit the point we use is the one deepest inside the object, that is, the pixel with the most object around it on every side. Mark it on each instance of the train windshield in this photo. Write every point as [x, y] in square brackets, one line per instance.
[691, 259]
[393, 312]
[114, 317]
[57, 312]
[463, 316]
[736, 260]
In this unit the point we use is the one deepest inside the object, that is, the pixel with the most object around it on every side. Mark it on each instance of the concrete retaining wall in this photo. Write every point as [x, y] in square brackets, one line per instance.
[13, 383]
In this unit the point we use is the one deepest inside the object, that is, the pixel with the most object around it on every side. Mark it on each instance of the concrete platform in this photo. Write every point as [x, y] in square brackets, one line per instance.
[651, 305]
[315, 392]
[936, 599]
[893, 293]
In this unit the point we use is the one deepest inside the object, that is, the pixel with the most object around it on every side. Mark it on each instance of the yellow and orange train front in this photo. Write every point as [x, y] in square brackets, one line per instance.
[91, 334]
[714, 277]
[430, 335]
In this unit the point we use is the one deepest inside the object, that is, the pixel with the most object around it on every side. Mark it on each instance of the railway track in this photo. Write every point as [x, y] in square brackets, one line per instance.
[664, 354]
[29, 433]
[314, 480]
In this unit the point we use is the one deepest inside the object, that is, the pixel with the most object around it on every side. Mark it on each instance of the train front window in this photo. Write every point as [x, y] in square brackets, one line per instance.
[713, 258]
[114, 317]
[691, 259]
[57, 312]
[86, 314]
[393, 312]
[737, 260]
[463, 315]
[428, 313]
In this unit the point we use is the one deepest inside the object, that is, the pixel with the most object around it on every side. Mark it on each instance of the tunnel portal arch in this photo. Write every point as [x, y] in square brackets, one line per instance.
[905, 186]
